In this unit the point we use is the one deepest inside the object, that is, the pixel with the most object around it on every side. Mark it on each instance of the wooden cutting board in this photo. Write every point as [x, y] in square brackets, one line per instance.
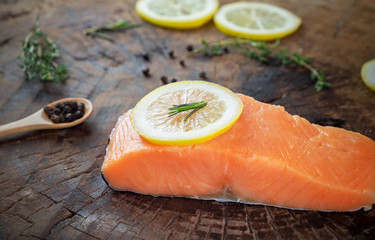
[50, 182]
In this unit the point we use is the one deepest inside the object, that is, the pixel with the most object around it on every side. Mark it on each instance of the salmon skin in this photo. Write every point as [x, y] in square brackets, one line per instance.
[268, 157]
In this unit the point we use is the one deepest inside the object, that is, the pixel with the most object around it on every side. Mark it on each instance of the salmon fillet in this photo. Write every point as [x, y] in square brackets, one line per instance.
[268, 157]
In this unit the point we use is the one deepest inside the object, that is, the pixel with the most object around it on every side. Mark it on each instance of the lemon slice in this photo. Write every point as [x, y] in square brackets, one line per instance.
[258, 21]
[180, 14]
[368, 74]
[152, 119]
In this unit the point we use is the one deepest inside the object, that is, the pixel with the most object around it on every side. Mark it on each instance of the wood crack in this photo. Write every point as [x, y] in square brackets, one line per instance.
[77, 175]
[157, 211]
[270, 221]
[110, 57]
[170, 222]
[79, 59]
[291, 213]
[196, 223]
[146, 208]
[71, 215]
[248, 222]
[12, 205]
[5, 41]
[27, 155]
[93, 90]
[48, 197]
[224, 233]
[340, 22]
[85, 233]
[273, 99]
[32, 235]
[9, 15]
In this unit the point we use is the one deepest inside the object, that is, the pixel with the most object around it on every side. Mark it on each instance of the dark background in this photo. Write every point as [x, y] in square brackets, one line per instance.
[50, 182]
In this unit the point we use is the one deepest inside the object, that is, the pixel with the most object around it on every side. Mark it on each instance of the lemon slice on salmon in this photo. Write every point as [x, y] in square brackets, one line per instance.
[258, 21]
[213, 110]
[179, 14]
[368, 74]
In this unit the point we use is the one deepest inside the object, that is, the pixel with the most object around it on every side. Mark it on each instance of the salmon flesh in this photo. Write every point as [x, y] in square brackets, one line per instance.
[268, 157]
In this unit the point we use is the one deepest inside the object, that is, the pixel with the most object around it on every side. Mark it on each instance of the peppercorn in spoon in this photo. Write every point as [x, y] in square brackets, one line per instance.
[76, 110]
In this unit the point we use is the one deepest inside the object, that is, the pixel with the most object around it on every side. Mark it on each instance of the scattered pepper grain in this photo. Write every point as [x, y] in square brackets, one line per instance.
[146, 57]
[189, 47]
[164, 79]
[182, 63]
[203, 75]
[146, 72]
[171, 55]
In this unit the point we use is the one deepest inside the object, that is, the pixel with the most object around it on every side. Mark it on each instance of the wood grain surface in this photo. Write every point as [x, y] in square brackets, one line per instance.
[50, 182]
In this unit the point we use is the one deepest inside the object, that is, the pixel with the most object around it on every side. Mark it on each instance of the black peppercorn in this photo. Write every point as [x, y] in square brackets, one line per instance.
[78, 114]
[59, 106]
[55, 118]
[67, 109]
[73, 105]
[189, 47]
[174, 80]
[48, 110]
[203, 75]
[56, 111]
[182, 63]
[164, 79]
[69, 117]
[62, 118]
[146, 72]
[171, 55]
[81, 107]
[146, 57]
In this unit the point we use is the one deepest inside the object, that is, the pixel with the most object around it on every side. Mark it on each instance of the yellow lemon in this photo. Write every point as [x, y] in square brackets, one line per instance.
[258, 21]
[211, 110]
[179, 14]
[368, 74]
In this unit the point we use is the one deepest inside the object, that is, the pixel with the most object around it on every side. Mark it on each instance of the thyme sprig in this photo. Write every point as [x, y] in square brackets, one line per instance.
[99, 31]
[263, 52]
[186, 107]
[39, 57]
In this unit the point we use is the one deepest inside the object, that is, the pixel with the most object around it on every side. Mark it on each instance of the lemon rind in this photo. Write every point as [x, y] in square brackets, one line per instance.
[193, 21]
[190, 140]
[264, 35]
[366, 68]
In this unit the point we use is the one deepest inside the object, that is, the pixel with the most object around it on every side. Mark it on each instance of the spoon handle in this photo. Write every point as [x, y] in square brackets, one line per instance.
[32, 122]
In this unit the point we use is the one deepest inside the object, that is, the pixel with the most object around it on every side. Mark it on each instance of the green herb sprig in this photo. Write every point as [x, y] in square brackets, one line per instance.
[186, 107]
[263, 52]
[99, 31]
[39, 57]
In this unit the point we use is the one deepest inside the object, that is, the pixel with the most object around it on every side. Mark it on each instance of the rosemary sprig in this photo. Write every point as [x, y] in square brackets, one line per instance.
[98, 31]
[186, 107]
[263, 52]
[39, 55]
[316, 74]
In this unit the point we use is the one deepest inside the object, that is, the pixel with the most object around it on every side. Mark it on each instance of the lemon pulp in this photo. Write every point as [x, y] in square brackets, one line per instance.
[368, 74]
[151, 116]
[258, 21]
[179, 14]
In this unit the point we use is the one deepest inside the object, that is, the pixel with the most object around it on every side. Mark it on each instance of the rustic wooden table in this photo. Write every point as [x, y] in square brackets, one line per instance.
[50, 182]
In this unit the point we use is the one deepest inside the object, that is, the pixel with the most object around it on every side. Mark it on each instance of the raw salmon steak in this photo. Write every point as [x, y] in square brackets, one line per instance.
[268, 157]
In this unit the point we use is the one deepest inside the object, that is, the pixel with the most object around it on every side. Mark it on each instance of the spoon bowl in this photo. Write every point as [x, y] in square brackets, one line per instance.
[87, 114]
[39, 120]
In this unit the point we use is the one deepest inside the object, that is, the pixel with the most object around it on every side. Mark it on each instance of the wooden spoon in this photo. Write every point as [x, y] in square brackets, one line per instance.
[39, 120]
